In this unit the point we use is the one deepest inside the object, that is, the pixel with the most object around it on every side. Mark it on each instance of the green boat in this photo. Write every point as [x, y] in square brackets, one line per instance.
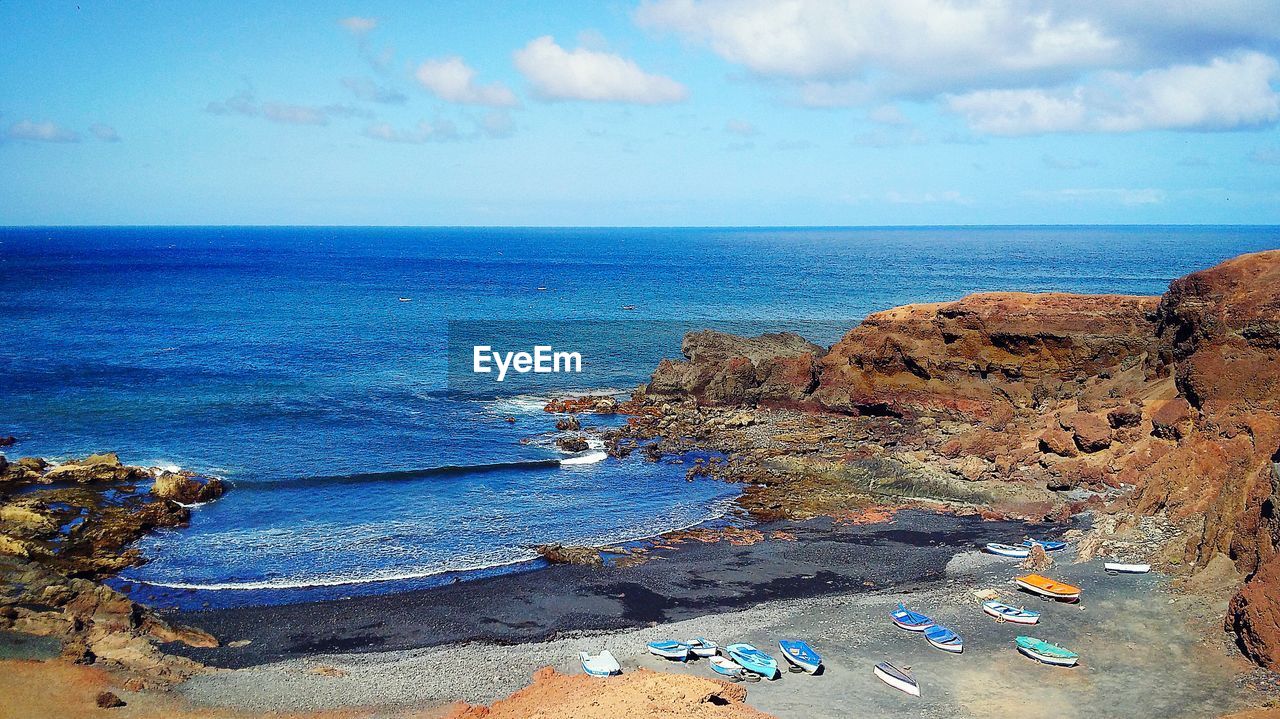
[1042, 651]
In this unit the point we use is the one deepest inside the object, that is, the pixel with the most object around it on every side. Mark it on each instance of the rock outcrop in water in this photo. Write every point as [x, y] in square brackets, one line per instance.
[63, 528]
[1036, 405]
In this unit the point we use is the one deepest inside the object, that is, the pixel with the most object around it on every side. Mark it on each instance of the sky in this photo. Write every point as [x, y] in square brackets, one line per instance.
[640, 113]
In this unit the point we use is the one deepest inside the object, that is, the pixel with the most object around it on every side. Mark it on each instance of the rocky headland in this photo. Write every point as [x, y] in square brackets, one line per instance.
[64, 528]
[1034, 406]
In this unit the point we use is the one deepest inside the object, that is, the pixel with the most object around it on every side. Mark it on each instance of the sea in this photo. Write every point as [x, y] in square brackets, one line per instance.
[328, 373]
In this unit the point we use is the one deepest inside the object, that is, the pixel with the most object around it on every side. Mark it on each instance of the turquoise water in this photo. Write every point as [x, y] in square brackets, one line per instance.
[284, 360]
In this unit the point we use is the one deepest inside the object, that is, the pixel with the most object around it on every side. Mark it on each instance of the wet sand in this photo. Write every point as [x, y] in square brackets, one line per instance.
[1145, 652]
[689, 581]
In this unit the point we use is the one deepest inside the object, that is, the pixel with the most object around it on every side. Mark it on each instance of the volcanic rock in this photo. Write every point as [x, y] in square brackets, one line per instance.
[721, 368]
[572, 444]
[560, 554]
[188, 488]
[108, 700]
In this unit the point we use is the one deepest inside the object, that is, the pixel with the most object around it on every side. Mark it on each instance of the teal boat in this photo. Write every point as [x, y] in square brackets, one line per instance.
[1042, 651]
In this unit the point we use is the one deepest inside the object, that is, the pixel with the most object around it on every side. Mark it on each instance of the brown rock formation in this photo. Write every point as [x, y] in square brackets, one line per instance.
[187, 488]
[641, 694]
[721, 368]
[1176, 398]
[560, 554]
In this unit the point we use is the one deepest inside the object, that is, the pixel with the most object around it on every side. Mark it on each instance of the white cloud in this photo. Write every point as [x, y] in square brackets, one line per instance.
[915, 44]
[45, 131]
[1129, 197]
[888, 115]
[582, 74]
[294, 114]
[740, 127]
[357, 25]
[106, 133]
[1225, 93]
[438, 131]
[246, 103]
[370, 91]
[452, 80]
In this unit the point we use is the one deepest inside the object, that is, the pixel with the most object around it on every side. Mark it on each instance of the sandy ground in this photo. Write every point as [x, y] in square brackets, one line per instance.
[1145, 652]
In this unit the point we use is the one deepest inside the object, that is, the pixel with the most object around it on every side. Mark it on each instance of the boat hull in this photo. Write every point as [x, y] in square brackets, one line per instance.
[886, 675]
[675, 650]
[1048, 658]
[600, 665]
[993, 610]
[1118, 568]
[753, 660]
[1005, 550]
[726, 668]
[801, 656]
[703, 648]
[1048, 588]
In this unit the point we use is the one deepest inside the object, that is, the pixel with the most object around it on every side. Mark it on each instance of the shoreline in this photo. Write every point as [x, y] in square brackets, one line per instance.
[1188, 677]
[692, 579]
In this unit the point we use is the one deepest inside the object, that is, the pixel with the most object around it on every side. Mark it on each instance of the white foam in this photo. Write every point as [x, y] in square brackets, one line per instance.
[588, 458]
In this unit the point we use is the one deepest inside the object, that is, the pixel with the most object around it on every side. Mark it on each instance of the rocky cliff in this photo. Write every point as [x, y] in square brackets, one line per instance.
[1149, 405]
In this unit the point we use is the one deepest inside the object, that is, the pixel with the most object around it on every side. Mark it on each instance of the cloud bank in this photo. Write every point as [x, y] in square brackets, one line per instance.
[452, 80]
[592, 76]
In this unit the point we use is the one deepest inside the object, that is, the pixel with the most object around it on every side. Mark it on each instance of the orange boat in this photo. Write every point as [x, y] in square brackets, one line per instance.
[1049, 588]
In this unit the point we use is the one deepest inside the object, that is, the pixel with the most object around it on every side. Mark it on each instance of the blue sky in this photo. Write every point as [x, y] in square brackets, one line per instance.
[657, 112]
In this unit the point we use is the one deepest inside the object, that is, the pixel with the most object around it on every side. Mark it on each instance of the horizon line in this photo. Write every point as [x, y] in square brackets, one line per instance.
[637, 227]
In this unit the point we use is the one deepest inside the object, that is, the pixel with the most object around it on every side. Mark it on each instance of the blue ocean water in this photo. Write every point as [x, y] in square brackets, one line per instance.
[284, 360]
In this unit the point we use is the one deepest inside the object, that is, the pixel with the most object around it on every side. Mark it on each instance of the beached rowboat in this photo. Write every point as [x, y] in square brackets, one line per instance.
[1042, 651]
[1005, 613]
[1007, 550]
[1050, 545]
[909, 620]
[753, 660]
[727, 668]
[942, 638]
[670, 650]
[600, 665]
[703, 647]
[896, 678]
[1046, 587]
[800, 655]
[1121, 568]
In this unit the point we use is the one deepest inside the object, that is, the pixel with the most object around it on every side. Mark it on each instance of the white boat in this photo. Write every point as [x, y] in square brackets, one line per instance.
[896, 678]
[943, 638]
[1047, 653]
[1005, 613]
[600, 665]
[909, 620]
[800, 655]
[1008, 550]
[1121, 568]
[670, 650]
[727, 668]
[703, 647]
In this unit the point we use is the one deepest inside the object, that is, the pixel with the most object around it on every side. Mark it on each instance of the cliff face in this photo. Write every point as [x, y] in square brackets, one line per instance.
[1176, 398]
[974, 354]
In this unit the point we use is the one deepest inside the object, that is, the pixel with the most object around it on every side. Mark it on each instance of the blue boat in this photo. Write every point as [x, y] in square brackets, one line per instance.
[753, 660]
[942, 638]
[670, 650]
[727, 668]
[800, 655]
[909, 620]
[1050, 545]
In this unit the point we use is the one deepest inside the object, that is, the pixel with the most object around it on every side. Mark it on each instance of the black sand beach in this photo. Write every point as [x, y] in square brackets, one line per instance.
[692, 580]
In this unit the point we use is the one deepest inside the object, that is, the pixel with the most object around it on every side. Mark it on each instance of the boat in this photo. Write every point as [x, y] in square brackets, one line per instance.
[800, 656]
[600, 665]
[703, 647]
[670, 649]
[909, 620]
[542, 288]
[727, 668]
[405, 299]
[942, 638]
[1007, 550]
[1050, 545]
[1005, 613]
[628, 307]
[1121, 568]
[896, 678]
[1046, 587]
[1042, 651]
[753, 660]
